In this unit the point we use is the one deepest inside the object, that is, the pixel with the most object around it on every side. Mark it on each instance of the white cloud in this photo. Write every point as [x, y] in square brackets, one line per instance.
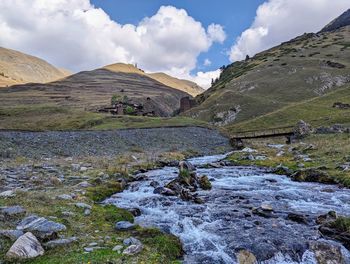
[204, 79]
[280, 20]
[216, 33]
[76, 35]
[207, 62]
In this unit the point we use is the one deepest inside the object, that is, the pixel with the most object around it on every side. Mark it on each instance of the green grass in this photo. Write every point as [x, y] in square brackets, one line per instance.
[317, 112]
[276, 79]
[51, 117]
[329, 152]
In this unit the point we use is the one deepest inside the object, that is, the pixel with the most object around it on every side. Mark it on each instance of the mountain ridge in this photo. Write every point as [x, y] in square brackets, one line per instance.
[18, 68]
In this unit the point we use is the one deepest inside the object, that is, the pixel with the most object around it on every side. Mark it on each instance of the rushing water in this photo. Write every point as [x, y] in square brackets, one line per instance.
[215, 231]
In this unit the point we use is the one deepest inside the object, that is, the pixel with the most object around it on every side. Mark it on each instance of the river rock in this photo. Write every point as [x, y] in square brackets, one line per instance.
[246, 257]
[135, 211]
[27, 246]
[331, 216]
[312, 175]
[133, 250]
[124, 226]
[301, 219]
[328, 252]
[41, 227]
[60, 242]
[282, 170]
[204, 183]
[164, 191]
[186, 166]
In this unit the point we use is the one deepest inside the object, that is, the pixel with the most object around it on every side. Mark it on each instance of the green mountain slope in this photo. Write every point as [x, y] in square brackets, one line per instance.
[306, 67]
[318, 111]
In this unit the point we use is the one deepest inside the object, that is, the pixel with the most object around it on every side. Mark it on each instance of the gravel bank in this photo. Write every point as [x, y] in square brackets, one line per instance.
[105, 143]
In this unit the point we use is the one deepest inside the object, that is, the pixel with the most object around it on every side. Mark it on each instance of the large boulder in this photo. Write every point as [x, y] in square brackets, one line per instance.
[25, 247]
[313, 175]
[41, 227]
[328, 252]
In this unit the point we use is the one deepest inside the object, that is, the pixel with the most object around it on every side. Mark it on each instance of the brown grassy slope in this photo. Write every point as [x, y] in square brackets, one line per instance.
[19, 68]
[287, 74]
[92, 89]
[179, 84]
[183, 85]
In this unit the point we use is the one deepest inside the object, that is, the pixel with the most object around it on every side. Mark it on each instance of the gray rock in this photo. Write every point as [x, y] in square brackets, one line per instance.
[88, 249]
[27, 246]
[87, 212]
[7, 194]
[118, 249]
[131, 241]
[164, 191]
[12, 211]
[84, 184]
[185, 165]
[60, 242]
[13, 235]
[93, 244]
[40, 227]
[133, 250]
[83, 206]
[124, 226]
[64, 197]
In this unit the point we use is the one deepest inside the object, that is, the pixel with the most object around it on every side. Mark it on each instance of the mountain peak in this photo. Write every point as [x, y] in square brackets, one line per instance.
[341, 21]
[123, 67]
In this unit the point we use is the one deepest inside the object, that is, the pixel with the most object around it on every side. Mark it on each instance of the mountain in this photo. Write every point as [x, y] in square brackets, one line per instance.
[341, 21]
[304, 68]
[179, 84]
[19, 68]
[93, 90]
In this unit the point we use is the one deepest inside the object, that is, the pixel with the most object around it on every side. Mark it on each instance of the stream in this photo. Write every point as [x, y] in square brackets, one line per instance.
[215, 231]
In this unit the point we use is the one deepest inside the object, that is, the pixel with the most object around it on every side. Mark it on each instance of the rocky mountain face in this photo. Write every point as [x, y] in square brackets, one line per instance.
[19, 68]
[304, 68]
[341, 21]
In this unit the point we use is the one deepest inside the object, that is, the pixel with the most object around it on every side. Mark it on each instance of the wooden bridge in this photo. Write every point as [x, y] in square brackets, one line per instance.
[287, 132]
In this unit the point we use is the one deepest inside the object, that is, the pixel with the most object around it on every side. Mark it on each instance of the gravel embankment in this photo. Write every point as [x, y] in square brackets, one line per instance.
[105, 143]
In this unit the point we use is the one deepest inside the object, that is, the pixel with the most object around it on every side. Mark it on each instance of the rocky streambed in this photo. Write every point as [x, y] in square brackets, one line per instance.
[249, 215]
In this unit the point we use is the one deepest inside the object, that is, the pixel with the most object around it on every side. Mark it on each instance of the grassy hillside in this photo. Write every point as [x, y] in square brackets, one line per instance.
[183, 85]
[179, 84]
[318, 111]
[52, 117]
[19, 68]
[90, 90]
[307, 67]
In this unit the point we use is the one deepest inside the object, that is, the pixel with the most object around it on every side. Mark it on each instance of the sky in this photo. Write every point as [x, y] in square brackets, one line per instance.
[188, 39]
